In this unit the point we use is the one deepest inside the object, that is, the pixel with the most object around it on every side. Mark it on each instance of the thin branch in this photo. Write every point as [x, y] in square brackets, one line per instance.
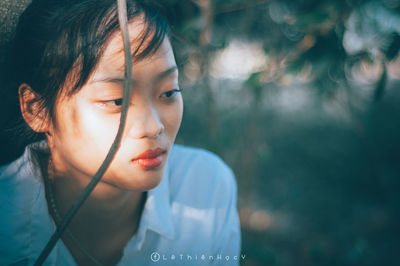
[123, 21]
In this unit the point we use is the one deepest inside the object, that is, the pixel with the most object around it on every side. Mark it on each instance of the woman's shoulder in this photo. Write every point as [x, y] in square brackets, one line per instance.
[203, 197]
[13, 174]
[20, 173]
[198, 161]
[197, 173]
[18, 194]
[19, 186]
[198, 156]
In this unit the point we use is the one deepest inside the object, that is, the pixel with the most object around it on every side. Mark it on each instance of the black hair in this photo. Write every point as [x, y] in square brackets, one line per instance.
[54, 37]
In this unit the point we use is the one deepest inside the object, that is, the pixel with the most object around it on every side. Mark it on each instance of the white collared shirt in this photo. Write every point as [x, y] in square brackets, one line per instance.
[190, 218]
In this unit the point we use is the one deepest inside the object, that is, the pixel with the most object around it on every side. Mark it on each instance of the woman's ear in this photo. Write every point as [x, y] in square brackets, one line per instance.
[31, 109]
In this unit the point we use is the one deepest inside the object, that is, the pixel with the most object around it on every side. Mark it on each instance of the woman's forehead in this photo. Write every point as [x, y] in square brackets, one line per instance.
[112, 64]
[137, 31]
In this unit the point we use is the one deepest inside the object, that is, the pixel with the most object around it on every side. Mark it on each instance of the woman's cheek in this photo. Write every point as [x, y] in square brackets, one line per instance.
[99, 127]
[173, 117]
[179, 112]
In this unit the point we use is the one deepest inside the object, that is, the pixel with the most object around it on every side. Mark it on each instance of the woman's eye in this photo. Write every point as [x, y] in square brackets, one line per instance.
[171, 93]
[116, 102]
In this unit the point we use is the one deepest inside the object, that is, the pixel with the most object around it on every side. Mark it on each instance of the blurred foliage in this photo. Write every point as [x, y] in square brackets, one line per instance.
[311, 132]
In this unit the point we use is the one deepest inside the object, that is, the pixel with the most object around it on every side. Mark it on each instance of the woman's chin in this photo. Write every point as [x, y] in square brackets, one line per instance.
[137, 182]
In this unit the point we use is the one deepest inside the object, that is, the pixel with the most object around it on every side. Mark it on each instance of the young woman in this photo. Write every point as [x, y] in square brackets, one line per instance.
[157, 202]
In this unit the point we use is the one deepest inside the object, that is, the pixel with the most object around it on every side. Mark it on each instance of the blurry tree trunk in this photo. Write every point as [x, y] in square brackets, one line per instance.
[359, 127]
[207, 14]
[381, 85]
[247, 155]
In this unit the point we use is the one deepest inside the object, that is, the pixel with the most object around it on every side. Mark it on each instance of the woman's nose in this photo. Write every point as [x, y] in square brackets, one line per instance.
[145, 122]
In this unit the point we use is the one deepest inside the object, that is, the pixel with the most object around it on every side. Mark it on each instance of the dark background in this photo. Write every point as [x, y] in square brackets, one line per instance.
[302, 99]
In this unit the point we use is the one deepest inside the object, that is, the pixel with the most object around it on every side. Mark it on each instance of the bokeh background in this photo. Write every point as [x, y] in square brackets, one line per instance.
[302, 99]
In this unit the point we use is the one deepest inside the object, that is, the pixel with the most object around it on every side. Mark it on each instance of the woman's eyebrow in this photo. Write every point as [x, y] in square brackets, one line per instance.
[160, 76]
[166, 73]
[117, 80]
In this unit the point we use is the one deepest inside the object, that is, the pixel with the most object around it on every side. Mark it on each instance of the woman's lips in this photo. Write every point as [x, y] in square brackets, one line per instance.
[150, 158]
[149, 163]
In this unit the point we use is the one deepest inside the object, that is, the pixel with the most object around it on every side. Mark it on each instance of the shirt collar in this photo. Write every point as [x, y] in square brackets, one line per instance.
[156, 216]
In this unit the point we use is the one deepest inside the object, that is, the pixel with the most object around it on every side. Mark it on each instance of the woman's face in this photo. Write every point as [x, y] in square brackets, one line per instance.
[87, 122]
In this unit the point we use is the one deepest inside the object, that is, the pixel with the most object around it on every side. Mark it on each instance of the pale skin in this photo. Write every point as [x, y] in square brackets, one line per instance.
[85, 127]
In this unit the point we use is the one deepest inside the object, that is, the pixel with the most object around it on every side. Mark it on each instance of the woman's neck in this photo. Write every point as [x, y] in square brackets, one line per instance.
[108, 208]
[105, 202]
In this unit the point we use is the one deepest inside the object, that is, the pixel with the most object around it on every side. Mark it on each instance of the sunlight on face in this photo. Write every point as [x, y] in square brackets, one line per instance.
[87, 122]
